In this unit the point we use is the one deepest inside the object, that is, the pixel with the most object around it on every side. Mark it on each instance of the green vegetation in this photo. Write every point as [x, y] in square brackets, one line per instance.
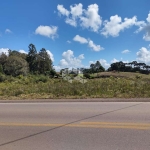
[16, 63]
[29, 76]
[41, 86]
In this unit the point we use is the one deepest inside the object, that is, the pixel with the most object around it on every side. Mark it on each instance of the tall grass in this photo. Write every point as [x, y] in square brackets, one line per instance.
[43, 87]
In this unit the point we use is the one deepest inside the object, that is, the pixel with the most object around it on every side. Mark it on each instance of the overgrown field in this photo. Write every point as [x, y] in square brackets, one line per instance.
[37, 87]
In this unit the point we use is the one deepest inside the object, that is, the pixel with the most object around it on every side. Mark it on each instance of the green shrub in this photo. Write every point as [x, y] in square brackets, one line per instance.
[41, 78]
[2, 77]
[87, 75]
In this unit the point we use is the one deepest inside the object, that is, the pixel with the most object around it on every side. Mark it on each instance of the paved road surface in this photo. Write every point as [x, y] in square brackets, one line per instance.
[75, 126]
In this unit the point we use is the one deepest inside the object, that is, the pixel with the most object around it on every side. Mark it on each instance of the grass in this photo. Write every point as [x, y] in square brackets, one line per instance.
[117, 85]
[130, 75]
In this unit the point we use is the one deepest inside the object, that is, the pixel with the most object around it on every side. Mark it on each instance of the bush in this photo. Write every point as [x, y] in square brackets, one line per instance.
[87, 75]
[2, 77]
[41, 78]
[16, 66]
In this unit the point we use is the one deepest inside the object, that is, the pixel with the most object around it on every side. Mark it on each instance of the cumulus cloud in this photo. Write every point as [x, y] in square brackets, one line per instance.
[116, 25]
[104, 63]
[89, 19]
[4, 50]
[143, 55]
[8, 31]
[71, 21]
[50, 54]
[148, 18]
[48, 31]
[94, 46]
[145, 26]
[70, 61]
[90, 43]
[76, 10]
[125, 51]
[114, 60]
[146, 37]
[80, 39]
[62, 10]
[22, 51]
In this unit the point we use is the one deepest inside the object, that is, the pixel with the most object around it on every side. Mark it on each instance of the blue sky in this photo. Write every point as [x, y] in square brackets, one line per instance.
[77, 33]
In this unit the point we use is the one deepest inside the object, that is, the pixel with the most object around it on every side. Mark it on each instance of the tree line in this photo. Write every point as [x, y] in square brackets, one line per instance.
[16, 63]
[133, 66]
[120, 66]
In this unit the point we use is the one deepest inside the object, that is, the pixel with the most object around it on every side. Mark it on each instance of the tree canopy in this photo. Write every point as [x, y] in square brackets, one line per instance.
[16, 63]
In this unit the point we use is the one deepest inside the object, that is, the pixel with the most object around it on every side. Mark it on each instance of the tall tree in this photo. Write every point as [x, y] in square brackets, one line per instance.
[44, 62]
[32, 58]
[98, 67]
[3, 58]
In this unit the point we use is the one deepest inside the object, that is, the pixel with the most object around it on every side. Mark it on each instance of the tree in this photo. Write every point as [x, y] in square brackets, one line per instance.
[98, 67]
[3, 58]
[118, 66]
[44, 62]
[32, 58]
[16, 66]
[16, 53]
[92, 69]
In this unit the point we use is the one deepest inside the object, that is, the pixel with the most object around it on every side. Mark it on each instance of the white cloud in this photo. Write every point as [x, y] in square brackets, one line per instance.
[143, 55]
[125, 61]
[90, 43]
[104, 63]
[81, 56]
[146, 37]
[8, 31]
[140, 24]
[94, 46]
[148, 18]
[4, 50]
[92, 62]
[71, 21]
[116, 25]
[145, 26]
[125, 51]
[114, 60]
[76, 10]
[50, 54]
[62, 10]
[80, 39]
[70, 61]
[48, 31]
[57, 68]
[22, 51]
[89, 19]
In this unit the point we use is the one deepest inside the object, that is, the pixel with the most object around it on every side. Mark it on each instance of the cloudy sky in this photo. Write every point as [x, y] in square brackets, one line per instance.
[77, 33]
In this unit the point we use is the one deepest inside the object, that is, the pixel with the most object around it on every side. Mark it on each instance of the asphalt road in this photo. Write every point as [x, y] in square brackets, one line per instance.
[75, 126]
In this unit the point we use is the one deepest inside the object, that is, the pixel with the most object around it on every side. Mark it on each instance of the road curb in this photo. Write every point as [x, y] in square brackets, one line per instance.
[78, 100]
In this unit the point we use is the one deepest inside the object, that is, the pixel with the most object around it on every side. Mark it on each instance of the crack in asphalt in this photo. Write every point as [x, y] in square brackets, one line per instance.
[83, 119]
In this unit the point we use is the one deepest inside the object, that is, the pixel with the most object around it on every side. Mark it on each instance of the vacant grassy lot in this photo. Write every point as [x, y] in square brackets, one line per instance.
[123, 85]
